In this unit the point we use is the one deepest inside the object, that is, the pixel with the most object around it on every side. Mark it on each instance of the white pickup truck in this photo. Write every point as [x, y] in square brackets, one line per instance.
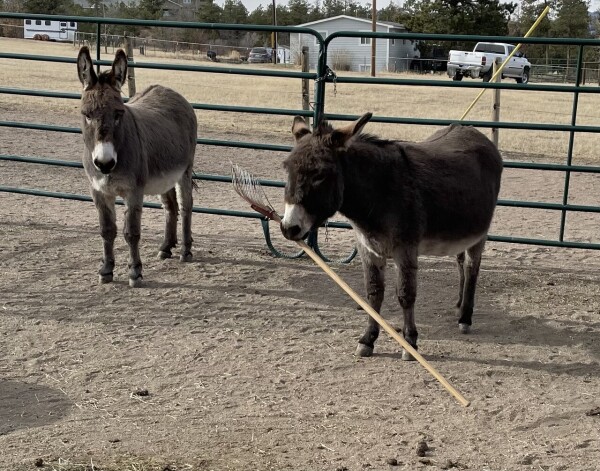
[479, 63]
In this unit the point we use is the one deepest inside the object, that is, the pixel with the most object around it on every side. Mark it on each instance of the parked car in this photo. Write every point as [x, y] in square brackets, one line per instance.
[479, 63]
[260, 55]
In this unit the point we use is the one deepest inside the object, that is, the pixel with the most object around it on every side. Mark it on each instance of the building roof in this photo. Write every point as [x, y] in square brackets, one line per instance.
[385, 24]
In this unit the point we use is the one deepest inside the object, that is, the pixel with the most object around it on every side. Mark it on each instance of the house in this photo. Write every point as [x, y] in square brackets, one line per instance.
[181, 9]
[103, 3]
[354, 54]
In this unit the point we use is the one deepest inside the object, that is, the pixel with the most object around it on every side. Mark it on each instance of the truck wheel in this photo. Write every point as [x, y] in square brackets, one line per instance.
[525, 77]
[457, 77]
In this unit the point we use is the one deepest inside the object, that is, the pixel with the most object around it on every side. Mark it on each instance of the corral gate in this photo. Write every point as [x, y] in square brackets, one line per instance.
[323, 77]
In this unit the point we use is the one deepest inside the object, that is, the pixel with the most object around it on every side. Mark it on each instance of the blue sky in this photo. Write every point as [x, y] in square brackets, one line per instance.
[252, 4]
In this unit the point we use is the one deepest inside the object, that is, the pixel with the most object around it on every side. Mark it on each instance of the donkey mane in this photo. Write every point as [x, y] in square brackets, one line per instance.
[108, 78]
[325, 129]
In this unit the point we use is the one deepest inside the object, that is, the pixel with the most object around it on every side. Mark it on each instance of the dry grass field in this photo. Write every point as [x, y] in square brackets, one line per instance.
[240, 361]
[222, 89]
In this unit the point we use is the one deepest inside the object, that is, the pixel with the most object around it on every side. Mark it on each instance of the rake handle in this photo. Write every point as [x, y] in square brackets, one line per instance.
[380, 320]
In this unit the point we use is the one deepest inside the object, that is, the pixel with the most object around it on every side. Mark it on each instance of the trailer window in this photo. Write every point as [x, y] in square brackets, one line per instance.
[27, 22]
[47, 22]
[63, 25]
[38, 22]
[72, 24]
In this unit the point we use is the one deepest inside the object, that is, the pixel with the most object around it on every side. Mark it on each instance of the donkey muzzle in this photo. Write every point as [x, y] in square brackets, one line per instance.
[105, 167]
[104, 157]
[296, 222]
[291, 232]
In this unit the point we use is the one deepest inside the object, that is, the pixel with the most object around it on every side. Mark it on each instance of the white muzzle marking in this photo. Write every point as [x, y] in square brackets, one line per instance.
[296, 215]
[104, 152]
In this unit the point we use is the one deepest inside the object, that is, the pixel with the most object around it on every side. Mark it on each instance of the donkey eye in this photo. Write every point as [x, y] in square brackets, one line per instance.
[88, 118]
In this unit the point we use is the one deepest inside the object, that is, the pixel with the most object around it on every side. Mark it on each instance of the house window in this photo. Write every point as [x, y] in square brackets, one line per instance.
[365, 41]
[27, 22]
[393, 41]
[364, 67]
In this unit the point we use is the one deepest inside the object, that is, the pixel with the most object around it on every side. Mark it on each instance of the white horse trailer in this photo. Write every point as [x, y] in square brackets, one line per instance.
[50, 30]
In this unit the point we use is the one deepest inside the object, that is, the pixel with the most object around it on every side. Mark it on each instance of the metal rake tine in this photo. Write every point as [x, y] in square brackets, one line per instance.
[250, 189]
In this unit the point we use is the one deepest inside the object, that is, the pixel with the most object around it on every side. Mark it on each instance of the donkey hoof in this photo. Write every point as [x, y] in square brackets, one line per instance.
[464, 328]
[107, 278]
[364, 350]
[135, 282]
[407, 356]
[164, 254]
[186, 257]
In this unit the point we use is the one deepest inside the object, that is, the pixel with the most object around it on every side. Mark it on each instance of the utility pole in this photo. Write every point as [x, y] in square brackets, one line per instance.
[274, 34]
[373, 40]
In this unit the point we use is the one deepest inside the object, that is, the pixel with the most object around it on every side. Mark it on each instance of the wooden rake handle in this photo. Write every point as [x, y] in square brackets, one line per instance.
[380, 320]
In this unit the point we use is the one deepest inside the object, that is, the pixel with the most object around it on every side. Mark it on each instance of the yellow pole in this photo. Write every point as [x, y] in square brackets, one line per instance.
[499, 71]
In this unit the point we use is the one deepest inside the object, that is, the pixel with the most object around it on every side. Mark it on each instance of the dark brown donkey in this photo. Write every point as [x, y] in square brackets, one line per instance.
[143, 147]
[404, 199]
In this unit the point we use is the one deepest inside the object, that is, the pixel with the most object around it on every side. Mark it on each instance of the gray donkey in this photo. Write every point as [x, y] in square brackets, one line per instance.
[143, 147]
[404, 199]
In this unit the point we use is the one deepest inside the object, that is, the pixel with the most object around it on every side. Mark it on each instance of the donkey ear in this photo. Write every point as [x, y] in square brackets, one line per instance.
[85, 68]
[341, 136]
[119, 68]
[299, 128]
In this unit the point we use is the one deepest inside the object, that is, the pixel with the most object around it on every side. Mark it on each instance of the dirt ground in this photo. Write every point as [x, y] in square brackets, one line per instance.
[241, 361]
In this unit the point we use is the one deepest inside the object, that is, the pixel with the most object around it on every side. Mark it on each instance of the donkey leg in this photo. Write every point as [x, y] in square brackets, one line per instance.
[471, 270]
[105, 205]
[131, 232]
[460, 260]
[374, 272]
[406, 260]
[185, 199]
[169, 201]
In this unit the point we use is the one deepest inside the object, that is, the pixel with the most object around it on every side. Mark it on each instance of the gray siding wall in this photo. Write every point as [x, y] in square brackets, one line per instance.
[401, 53]
[349, 51]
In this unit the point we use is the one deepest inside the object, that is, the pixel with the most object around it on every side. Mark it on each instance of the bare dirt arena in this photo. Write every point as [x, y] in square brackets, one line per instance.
[241, 361]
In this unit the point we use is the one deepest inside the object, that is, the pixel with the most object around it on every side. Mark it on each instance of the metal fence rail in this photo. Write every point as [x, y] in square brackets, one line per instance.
[322, 78]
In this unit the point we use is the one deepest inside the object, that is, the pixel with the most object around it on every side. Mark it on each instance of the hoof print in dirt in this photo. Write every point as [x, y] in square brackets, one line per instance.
[392, 461]
[449, 464]
[422, 448]
[593, 412]
[140, 393]
[38, 463]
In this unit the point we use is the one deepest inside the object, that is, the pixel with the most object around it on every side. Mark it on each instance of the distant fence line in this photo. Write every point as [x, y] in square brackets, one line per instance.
[542, 69]
[152, 46]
